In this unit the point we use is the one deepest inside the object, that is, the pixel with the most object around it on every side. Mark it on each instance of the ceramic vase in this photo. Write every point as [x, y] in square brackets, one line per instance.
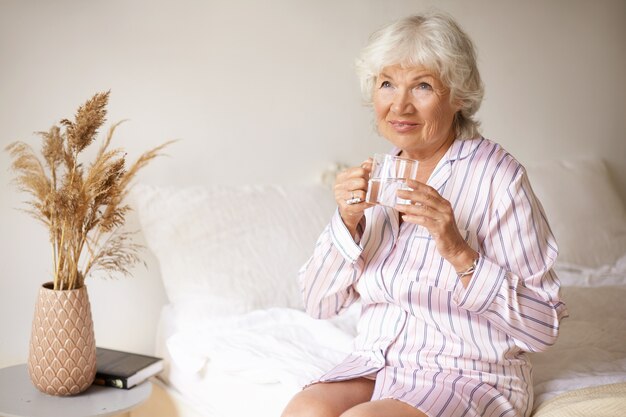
[62, 352]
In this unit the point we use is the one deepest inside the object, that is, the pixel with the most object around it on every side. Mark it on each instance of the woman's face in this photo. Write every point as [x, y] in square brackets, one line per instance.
[413, 110]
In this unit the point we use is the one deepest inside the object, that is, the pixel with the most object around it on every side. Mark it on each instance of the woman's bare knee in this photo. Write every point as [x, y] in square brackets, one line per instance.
[329, 399]
[308, 406]
[383, 408]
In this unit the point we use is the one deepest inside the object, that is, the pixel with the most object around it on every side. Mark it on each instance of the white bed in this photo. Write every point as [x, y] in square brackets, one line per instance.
[238, 344]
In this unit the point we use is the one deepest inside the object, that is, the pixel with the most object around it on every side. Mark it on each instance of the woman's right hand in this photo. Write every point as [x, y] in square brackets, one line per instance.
[352, 183]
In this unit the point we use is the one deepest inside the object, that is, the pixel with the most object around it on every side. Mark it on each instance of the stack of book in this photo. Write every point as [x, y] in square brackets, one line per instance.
[124, 369]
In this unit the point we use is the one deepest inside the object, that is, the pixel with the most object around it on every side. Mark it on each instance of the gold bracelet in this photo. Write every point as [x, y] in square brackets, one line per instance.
[468, 271]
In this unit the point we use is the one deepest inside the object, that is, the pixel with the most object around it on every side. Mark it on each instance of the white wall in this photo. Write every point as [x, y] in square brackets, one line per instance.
[264, 92]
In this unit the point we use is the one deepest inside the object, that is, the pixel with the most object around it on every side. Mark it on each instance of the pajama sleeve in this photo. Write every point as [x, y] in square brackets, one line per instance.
[327, 279]
[513, 285]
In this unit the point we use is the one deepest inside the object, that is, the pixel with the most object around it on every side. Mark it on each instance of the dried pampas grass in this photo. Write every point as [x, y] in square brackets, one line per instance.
[83, 208]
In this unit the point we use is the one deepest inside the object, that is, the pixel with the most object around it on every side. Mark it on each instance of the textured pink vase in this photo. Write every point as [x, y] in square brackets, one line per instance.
[62, 354]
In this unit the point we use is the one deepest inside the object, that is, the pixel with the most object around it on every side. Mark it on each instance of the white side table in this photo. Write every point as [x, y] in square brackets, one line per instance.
[19, 398]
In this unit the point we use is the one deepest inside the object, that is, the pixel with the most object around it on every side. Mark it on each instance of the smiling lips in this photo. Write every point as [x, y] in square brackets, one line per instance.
[403, 126]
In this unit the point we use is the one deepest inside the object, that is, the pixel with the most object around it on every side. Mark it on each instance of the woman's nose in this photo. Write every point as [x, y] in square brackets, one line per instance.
[402, 103]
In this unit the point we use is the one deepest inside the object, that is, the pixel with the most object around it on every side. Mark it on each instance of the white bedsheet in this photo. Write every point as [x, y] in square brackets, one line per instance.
[574, 275]
[252, 364]
[277, 345]
[248, 364]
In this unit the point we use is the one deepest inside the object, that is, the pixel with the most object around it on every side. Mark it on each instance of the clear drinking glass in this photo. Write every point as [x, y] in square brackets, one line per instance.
[389, 174]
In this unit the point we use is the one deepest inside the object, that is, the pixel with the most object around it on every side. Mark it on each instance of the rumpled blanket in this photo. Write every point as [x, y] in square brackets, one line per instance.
[265, 346]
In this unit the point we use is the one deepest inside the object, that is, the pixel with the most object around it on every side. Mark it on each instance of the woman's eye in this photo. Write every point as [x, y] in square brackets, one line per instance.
[385, 84]
[424, 86]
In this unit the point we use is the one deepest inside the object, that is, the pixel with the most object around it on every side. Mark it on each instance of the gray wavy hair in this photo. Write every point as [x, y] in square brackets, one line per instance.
[435, 41]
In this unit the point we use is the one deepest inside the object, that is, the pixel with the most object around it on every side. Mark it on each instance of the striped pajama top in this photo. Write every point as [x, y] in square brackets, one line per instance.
[425, 338]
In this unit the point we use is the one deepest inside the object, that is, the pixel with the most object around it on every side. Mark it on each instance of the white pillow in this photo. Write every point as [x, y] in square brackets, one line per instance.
[585, 212]
[232, 249]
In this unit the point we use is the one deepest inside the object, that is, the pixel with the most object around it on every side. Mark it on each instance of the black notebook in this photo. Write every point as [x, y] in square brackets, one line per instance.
[124, 369]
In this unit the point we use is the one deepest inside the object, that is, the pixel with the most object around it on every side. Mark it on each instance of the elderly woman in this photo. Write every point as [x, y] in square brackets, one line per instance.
[456, 286]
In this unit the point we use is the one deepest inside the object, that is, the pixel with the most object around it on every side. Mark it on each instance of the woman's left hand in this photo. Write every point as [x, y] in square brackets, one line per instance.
[429, 209]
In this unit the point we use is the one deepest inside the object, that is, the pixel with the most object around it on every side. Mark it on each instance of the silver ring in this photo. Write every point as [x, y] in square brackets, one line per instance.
[353, 200]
